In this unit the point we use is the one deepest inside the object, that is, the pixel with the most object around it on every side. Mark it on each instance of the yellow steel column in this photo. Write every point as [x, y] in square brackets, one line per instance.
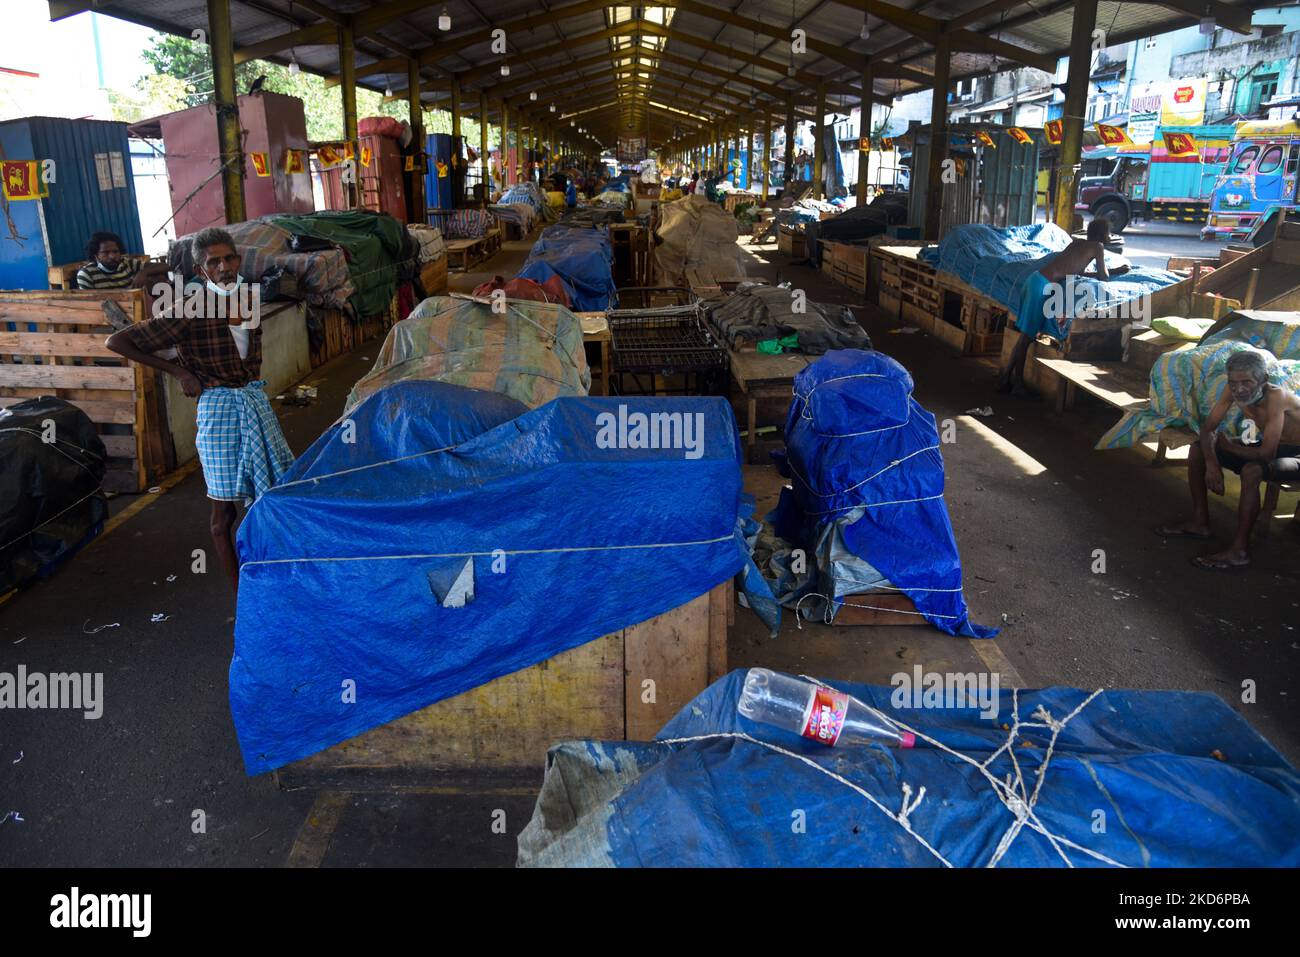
[418, 207]
[767, 154]
[1076, 102]
[864, 135]
[819, 147]
[507, 174]
[790, 130]
[456, 158]
[483, 145]
[228, 130]
[348, 85]
[938, 139]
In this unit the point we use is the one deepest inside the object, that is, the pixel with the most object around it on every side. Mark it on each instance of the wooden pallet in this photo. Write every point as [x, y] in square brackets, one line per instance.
[65, 276]
[52, 343]
[595, 690]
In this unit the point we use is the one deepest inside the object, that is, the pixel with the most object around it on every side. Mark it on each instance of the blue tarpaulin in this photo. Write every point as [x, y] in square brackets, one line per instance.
[997, 261]
[1174, 779]
[583, 259]
[549, 527]
[863, 456]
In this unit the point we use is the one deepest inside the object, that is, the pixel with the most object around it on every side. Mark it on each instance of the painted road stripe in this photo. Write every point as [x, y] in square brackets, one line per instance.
[148, 498]
[997, 662]
[318, 830]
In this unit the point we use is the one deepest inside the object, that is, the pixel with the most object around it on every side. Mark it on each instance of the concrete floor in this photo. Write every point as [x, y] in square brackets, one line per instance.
[1029, 499]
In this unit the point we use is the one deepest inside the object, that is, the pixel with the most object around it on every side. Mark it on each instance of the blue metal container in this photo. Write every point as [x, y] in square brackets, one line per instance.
[91, 190]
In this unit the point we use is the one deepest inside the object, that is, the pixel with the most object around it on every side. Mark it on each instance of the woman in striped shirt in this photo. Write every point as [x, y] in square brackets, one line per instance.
[107, 269]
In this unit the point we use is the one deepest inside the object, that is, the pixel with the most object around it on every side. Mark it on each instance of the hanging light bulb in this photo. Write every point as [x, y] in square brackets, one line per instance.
[865, 32]
[533, 96]
[1207, 26]
[552, 107]
[505, 69]
[572, 123]
[388, 91]
[294, 68]
[444, 20]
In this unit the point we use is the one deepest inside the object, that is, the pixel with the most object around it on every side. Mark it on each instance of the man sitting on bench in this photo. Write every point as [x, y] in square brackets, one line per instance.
[1032, 319]
[1272, 417]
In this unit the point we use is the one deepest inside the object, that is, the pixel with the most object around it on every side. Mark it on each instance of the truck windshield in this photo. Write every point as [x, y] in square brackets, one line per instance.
[1245, 158]
[1098, 167]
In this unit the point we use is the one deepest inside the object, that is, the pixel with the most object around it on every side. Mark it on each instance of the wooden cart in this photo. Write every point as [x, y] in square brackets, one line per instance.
[502, 729]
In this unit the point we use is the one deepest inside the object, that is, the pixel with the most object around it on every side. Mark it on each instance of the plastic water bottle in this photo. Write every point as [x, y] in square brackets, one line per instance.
[827, 716]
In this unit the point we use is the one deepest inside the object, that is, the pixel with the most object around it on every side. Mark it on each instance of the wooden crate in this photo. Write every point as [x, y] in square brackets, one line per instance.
[52, 343]
[791, 243]
[505, 727]
[433, 276]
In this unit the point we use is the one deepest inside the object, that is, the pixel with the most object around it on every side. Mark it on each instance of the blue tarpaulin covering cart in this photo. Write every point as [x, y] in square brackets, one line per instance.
[583, 258]
[1119, 778]
[440, 537]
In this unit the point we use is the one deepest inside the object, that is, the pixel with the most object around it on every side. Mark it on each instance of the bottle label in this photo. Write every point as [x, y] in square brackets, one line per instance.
[826, 716]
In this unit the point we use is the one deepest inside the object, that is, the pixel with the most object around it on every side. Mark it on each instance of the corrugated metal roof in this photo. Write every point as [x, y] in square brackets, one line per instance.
[548, 42]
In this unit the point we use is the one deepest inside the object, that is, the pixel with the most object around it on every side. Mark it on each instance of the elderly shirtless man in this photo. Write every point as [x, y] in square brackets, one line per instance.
[1275, 414]
[1032, 319]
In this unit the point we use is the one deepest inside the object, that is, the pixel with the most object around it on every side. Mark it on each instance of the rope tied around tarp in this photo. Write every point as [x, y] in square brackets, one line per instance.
[1011, 792]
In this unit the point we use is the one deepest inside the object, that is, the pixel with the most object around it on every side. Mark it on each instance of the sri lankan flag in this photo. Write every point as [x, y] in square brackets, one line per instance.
[295, 161]
[1113, 135]
[261, 163]
[329, 157]
[1053, 130]
[365, 155]
[408, 164]
[1179, 145]
[22, 180]
[1019, 135]
[985, 139]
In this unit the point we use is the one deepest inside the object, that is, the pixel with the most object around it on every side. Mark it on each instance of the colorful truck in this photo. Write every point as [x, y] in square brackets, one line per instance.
[1260, 176]
[1142, 181]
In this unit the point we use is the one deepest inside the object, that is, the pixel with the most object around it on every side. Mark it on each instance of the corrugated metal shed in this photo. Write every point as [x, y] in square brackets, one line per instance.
[678, 66]
[92, 190]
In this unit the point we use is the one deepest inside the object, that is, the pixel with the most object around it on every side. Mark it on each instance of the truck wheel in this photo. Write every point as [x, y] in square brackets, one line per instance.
[1115, 214]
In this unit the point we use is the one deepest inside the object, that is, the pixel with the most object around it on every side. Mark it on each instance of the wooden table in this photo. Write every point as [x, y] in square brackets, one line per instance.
[470, 251]
[595, 328]
[762, 376]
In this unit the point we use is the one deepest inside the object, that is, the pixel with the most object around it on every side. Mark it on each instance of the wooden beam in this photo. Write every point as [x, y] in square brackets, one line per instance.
[1236, 19]
[1076, 102]
[222, 46]
[968, 40]
[938, 139]
[318, 34]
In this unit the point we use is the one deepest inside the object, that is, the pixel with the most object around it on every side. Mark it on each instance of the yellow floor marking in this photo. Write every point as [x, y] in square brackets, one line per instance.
[148, 498]
[318, 830]
[997, 662]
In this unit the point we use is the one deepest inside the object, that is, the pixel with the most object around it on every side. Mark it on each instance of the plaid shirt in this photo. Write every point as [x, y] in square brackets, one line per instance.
[204, 346]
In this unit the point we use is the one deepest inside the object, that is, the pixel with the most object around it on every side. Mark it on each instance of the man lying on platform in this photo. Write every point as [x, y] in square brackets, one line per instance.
[1273, 417]
[218, 358]
[1038, 308]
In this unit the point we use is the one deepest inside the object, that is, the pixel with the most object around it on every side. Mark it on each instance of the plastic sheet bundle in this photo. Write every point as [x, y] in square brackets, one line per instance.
[863, 455]
[582, 258]
[997, 262]
[1180, 779]
[440, 537]
[51, 504]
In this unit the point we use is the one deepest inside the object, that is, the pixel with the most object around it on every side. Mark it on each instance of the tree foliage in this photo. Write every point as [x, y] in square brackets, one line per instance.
[189, 63]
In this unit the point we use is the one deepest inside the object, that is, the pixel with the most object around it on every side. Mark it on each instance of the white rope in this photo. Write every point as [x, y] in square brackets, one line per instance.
[1012, 792]
[897, 819]
[845, 491]
[493, 553]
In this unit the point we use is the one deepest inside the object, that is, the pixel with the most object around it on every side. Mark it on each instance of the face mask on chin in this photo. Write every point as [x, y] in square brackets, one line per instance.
[226, 290]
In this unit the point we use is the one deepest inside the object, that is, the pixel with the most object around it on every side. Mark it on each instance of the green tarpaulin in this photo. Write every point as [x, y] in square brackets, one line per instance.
[375, 243]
